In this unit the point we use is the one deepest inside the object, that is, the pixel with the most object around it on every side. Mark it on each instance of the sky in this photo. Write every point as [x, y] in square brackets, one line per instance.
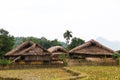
[87, 19]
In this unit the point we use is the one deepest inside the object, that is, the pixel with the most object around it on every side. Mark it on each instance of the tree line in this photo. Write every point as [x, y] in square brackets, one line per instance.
[8, 42]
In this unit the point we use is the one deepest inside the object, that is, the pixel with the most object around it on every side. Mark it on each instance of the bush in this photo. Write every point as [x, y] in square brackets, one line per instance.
[63, 57]
[115, 55]
[5, 62]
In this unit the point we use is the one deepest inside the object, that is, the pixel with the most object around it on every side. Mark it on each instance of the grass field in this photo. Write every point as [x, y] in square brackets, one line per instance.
[35, 74]
[93, 73]
[99, 72]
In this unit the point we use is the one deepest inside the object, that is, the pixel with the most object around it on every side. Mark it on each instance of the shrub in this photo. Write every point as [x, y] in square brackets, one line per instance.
[63, 57]
[115, 55]
[5, 62]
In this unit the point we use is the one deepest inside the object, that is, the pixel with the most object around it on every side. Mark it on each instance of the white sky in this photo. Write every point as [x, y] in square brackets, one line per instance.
[87, 19]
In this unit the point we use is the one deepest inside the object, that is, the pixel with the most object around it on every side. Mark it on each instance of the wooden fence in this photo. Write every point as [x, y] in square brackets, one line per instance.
[71, 62]
[29, 66]
[78, 62]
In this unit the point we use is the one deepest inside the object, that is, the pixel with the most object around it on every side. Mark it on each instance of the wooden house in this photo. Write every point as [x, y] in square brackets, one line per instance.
[91, 49]
[29, 51]
[57, 51]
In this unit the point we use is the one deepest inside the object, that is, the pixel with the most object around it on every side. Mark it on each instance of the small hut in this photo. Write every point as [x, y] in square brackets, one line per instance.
[57, 51]
[29, 51]
[91, 49]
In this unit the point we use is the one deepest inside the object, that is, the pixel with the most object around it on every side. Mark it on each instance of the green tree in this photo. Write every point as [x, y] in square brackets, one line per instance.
[5, 62]
[17, 41]
[75, 42]
[67, 35]
[55, 42]
[34, 39]
[6, 42]
[43, 41]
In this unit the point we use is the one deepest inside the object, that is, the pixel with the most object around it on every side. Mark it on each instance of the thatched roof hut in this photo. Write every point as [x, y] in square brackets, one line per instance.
[30, 51]
[57, 50]
[118, 51]
[91, 48]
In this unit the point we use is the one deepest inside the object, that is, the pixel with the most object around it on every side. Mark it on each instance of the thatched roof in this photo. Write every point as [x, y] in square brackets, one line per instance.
[118, 51]
[57, 49]
[92, 47]
[28, 48]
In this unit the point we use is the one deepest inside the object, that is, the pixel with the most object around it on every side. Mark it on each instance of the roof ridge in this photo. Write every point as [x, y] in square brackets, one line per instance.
[88, 43]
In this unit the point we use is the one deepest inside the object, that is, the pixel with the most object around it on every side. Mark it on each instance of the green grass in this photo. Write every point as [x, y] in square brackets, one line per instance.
[35, 74]
[99, 72]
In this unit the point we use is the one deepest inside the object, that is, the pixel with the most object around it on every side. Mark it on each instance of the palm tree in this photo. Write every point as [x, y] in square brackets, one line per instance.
[67, 35]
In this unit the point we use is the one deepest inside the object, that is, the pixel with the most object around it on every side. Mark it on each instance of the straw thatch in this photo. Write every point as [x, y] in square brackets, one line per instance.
[29, 50]
[91, 47]
[118, 51]
[56, 51]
